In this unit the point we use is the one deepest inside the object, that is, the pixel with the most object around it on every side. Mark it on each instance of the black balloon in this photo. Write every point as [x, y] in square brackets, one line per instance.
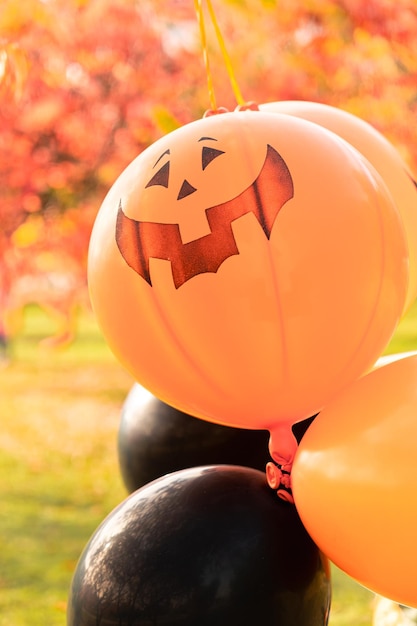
[155, 439]
[207, 546]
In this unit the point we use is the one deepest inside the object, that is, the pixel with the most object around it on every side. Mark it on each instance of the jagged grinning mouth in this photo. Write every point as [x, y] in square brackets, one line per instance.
[139, 241]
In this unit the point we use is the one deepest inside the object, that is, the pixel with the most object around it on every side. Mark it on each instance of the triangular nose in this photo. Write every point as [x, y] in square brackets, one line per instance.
[186, 190]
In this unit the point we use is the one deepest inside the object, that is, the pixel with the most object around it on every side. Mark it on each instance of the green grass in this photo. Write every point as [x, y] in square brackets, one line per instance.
[59, 474]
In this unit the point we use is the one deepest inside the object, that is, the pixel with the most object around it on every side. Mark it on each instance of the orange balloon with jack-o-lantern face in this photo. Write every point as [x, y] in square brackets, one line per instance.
[246, 267]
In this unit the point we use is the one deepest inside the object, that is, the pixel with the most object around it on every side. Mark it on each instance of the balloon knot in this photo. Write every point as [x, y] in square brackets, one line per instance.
[279, 478]
[248, 106]
[217, 111]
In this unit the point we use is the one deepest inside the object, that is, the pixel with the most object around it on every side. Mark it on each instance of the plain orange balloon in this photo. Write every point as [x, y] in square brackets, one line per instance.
[246, 267]
[354, 480]
[383, 156]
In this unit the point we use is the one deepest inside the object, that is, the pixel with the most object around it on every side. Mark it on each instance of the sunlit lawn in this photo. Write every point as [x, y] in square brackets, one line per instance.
[59, 474]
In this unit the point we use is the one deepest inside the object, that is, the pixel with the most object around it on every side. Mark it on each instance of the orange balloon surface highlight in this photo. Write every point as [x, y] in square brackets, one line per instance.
[390, 358]
[380, 152]
[354, 480]
[246, 267]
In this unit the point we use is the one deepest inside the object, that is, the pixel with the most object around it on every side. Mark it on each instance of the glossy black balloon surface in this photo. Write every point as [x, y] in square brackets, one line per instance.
[155, 439]
[208, 546]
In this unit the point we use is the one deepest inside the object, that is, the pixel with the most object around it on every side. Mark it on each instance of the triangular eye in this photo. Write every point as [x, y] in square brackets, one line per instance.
[208, 155]
[161, 177]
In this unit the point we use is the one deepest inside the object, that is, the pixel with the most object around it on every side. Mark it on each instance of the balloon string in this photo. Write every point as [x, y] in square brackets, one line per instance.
[200, 19]
[226, 58]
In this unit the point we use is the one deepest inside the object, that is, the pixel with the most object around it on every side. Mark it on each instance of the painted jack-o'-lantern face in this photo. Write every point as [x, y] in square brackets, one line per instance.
[246, 267]
[138, 241]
